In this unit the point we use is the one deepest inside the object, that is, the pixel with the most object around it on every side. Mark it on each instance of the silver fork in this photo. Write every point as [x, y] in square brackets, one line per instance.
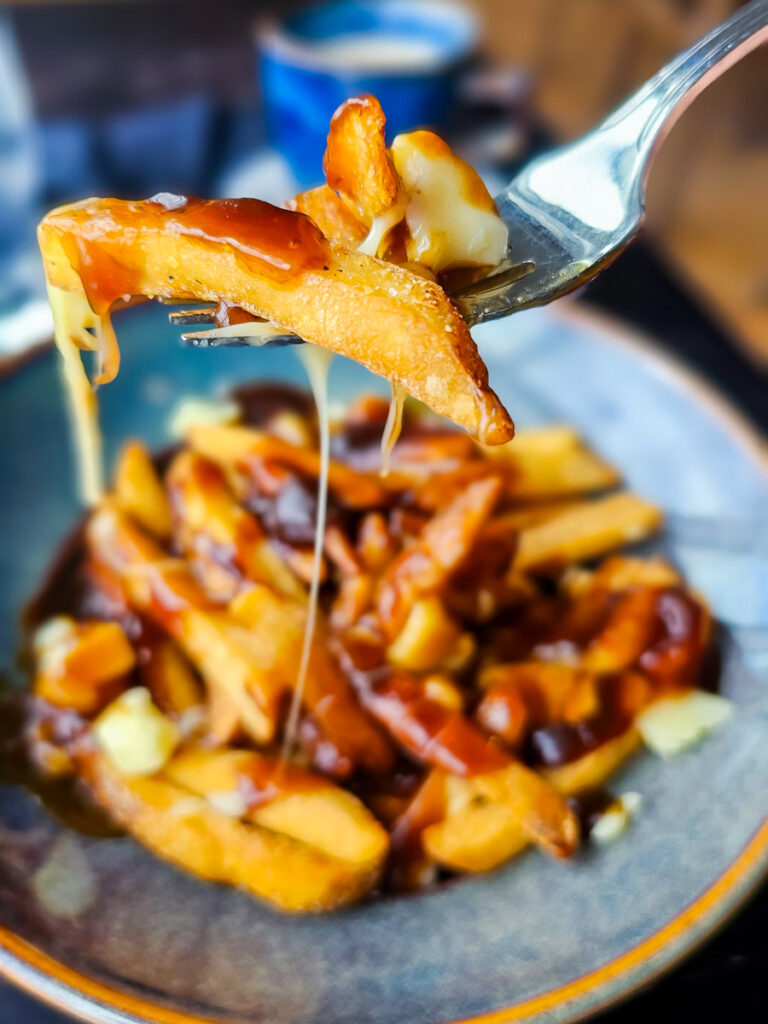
[573, 211]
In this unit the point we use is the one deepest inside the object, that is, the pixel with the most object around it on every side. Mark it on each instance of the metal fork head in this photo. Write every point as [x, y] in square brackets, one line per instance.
[573, 211]
[229, 336]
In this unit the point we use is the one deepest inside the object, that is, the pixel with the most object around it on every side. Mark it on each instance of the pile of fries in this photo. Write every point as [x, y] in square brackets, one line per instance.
[478, 662]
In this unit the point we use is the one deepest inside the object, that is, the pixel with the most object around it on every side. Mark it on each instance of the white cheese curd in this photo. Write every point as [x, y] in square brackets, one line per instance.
[450, 215]
[672, 724]
[135, 735]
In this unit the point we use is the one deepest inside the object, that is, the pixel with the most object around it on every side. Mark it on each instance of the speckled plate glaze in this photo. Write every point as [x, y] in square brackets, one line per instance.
[536, 941]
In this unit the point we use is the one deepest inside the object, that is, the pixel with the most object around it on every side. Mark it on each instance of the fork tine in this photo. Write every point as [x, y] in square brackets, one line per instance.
[188, 317]
[215, 339]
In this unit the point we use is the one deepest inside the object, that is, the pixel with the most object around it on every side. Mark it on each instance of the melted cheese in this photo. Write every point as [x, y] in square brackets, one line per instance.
[317, 362]
[392, 427]
[451, 217]
[72, 316]
[373, 242]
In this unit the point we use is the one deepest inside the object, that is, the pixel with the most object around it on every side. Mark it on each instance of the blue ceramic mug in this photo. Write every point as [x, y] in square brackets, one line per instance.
[405, 52]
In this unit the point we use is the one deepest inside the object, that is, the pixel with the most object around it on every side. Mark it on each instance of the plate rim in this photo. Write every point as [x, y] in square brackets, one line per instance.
[72, 992]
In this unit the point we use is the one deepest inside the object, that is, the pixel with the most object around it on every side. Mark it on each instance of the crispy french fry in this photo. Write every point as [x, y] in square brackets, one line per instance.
[552, 462]
[429, 636]
[286, 799]
[442, 546]
[483, 834]
[239, 447]
[535, 805]
[620, 572]
[479, 837]
[207, 512]
[277, 626]
[357, 164]
[139, 492]
[626, 634]
[238, 250]
[81, 665]
[169, 678]
[331, 214]
[585, 532]
[595, 767]
[291, 875]
[164, 589]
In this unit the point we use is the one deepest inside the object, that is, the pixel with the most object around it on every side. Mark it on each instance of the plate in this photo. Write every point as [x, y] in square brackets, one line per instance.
[121, 937]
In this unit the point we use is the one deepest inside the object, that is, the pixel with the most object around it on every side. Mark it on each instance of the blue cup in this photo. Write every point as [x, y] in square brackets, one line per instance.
[407, 53]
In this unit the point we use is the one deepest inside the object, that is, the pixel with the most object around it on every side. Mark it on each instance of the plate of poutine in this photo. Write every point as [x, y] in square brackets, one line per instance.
[338, 711]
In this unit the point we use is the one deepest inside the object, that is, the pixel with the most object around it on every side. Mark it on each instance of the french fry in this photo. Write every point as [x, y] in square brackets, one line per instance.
[331, 214]
[207, 512]
[139, 492]
[626, 634]
[428, 637]
[165, 590]
[286, 799]
[442, 546]
[479, 837]
[551, 462]
[594, 768]
[535, 805]
[81, 665]
[620, 572]
[239, 447]
[169, 678]
[166, 253]
[288, 874]
[483, 834]
[585, 532]
[277, 627]
[445, 739]
[357, 164]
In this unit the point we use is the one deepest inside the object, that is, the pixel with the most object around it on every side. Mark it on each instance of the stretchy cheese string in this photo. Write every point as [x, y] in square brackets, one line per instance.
[316, 362]
[392, 427]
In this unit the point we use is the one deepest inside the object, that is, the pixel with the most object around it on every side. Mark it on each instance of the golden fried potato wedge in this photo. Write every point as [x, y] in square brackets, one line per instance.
[236, 448]
[170, 679]
[276, 264]
[535, 806]
[331, 214]
[586, 531]
[288, 874]
[444, 543]
[81, 665]
[479, 837]
[483, 834]
[594, 768]
[286, 799]
[276, 625]
[139, 492]
[356, 163]
[551, 462]
[163, 589]
[208, 513]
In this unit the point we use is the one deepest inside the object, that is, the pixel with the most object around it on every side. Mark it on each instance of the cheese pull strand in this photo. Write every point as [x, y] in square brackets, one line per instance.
[316, 362]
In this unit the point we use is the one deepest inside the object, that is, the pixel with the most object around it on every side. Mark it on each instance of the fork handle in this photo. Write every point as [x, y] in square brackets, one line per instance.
[648, 115]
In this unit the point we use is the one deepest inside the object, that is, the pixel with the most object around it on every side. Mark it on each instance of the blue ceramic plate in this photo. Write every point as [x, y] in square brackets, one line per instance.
[127, 938]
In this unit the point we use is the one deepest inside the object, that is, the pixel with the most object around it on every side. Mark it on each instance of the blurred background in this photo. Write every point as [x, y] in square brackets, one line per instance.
[233, 97]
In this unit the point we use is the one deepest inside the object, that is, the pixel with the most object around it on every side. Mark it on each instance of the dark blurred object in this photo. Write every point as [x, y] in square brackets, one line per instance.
[408, 55]
[18, 180]
[134, 98]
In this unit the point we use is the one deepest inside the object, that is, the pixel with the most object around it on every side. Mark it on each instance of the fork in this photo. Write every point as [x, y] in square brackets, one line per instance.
[573, 211]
